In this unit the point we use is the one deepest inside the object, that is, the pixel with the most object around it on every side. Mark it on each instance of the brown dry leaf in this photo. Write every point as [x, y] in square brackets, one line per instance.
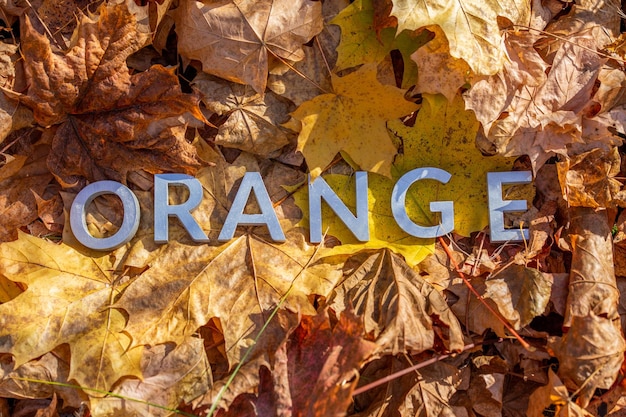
[315, 370]
[252, 119]
[110, 122]
[68, 300]
[588, 179]
[424, 393]
[309, 77]
[23, 176]
[237, 39]
[470, 311]
[402, 312]
[186, 286]
[438, 72]
[36, 408]
[171, 376]
[554, 393]
[520, 293]
[591, 352]
[53, 367]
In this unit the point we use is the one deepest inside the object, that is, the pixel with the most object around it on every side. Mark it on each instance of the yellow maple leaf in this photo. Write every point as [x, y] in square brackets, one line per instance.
[471, 26]
[352, 120]
[67, 301]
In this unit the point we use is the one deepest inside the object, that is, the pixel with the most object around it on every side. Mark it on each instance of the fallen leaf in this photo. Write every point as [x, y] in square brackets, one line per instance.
[252, 120]
[54, 366]
[362, 44]
[22, 176]
[110, 122]
[351, 120]
[471, 27]
[426, 392]
[520, 293]
[443, 137]
[588, 179]
[171, 375]
[439, 73]
[236, 40]
[591, 351]
[260, 275]
[401, 311]
[68, 300]
[554, 393]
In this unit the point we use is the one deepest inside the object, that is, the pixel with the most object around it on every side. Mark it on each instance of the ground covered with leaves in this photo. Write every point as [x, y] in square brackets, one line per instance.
[397, 325]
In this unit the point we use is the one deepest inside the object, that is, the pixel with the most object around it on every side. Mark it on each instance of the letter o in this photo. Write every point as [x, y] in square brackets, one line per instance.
[130, 224]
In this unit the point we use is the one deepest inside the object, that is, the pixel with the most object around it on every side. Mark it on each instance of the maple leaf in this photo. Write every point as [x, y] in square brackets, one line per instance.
[20, 177]
[471, 27]
[312, 373]
[438, 71]
[400, 309]
[252, 120]
[109, 121]
[425, 392]
[443, 137]
[236, 40]
[351, 120]
[361, 44]
[68, 300]
[170, 376]
[165, 305]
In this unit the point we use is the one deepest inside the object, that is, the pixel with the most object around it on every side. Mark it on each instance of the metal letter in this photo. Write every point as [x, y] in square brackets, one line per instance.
[163, 210]
[358, 224]
[497, 206]
[252, 181]
[130, 224]
[398, 204]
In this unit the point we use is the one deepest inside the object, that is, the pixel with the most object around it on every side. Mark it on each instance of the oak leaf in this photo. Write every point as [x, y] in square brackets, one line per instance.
[401, 311]
[352, 120]
[110, 122]
[236, 40]
[470, 26]
[68, 300]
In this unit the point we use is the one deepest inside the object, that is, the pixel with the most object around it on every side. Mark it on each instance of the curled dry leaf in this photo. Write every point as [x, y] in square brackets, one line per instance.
[554, 393]
[591, 352]
[110, 122]
[401, 311]
[237, 40]
[588, 179]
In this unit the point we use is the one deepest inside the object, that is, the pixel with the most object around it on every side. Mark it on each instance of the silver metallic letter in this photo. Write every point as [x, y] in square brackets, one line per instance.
[130, 224]
[163, 211]
[358, 224]
[497, 206]
[398, 204]
[252, 181]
